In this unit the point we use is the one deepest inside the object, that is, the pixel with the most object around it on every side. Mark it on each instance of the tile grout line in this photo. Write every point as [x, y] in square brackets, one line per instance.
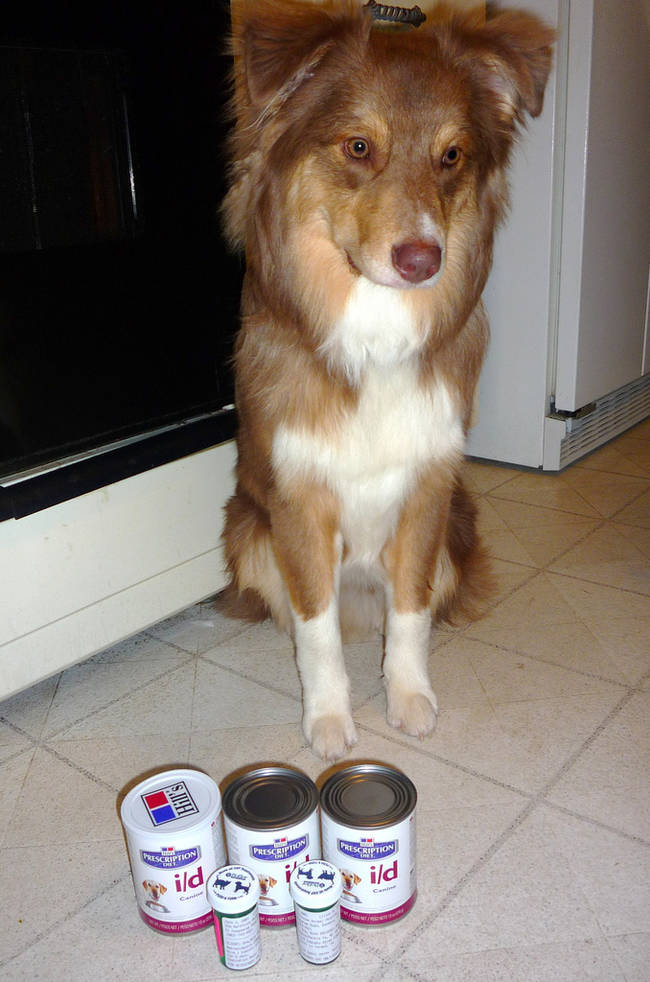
[29, 748]
[630, 689]
[553, 664]
[39, 744]
[362, 943]
[596, 823]
[594, 516]
[599, 524]
[633, 499]
[113, 702]
[150, 632]
[43, 743]
[604, 586]
[495, 782]
[246, 678]
[591, 471]
[454, 765]
[63, 920]
[602, 726]
[535, 801]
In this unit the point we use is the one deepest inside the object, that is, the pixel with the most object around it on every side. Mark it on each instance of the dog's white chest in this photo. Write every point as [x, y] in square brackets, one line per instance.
[371, 461]
[377, 327]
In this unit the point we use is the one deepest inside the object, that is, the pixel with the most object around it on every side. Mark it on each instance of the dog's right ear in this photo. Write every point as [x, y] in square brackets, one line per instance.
[277, 46]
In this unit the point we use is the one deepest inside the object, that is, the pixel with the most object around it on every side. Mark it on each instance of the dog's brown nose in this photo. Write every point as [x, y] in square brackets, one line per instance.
[417, 261]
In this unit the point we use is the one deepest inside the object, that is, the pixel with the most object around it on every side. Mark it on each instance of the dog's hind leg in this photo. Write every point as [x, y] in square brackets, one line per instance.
[256, 589]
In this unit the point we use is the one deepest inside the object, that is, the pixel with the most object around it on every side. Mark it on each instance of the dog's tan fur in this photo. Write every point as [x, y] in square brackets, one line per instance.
[319, 219]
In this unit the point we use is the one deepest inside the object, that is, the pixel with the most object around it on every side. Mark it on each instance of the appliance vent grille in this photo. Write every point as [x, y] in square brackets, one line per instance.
[611, 415]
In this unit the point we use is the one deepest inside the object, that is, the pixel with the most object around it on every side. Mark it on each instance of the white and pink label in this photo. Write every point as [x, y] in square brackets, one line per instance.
[170, 876]
[377, 866]
[273, 856]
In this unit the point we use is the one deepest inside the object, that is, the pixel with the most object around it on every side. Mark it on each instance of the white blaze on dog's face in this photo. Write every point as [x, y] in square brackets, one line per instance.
[396, 197]
[388, 210]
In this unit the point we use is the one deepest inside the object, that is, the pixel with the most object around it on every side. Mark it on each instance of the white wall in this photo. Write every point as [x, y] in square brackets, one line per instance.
[513, 387]
[605, 261]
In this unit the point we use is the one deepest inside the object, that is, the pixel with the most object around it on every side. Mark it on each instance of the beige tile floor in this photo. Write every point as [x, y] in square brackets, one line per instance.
[533, 815]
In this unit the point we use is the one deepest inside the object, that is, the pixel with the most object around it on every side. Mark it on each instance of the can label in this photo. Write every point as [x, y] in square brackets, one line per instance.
[273, 856]
[174, 836]
[316, 890]
[233, 892]
[170, 879]
[319, 934]
[238, 939]
[377, 866]
[280, 850]
[169, 858]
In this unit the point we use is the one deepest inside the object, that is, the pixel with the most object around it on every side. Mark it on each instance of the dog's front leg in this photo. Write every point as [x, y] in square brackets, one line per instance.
[308, 550]
[414, 562]
[327, 719]
[411, 702]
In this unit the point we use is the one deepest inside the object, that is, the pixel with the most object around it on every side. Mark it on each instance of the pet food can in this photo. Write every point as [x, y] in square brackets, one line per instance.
[175, 840]
[368, 821]
[233, 892]
[271, 821]
[316, 890]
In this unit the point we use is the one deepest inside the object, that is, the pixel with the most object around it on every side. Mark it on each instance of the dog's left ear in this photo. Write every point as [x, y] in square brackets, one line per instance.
[516, 57]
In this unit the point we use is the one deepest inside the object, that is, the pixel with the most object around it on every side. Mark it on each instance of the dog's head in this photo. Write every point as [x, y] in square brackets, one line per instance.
[266, 883]
[153, 889]
[350, 880]
[413, 125]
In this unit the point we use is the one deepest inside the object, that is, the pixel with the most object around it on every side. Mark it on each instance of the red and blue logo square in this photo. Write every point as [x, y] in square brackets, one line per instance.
[170, 803]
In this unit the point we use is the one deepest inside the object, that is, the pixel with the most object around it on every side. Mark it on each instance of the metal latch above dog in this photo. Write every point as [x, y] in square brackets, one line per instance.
[397, 16]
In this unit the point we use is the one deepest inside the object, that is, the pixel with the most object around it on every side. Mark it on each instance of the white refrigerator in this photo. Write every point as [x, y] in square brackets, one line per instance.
[569, 360]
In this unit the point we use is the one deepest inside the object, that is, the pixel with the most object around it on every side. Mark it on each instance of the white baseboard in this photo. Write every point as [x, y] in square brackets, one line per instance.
[85, 574]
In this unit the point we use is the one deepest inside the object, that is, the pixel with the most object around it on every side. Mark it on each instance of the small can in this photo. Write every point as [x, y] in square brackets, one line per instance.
[316, 889]
[233, 893]
[271, 823]
[174, 837]
[368, 824]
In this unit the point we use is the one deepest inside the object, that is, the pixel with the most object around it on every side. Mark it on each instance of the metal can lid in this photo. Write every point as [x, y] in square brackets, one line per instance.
[316, 884]
[232, 889]
[171, 801]
[368, 796]
[270, 798]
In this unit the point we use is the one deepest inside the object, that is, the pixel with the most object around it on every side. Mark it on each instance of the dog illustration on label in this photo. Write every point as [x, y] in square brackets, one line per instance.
[239, 886]
[266, 885]
[350, 880]
[154, 892]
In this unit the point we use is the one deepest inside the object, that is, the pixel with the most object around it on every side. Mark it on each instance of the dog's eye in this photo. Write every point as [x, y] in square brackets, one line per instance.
[357, 148]
[451, 157]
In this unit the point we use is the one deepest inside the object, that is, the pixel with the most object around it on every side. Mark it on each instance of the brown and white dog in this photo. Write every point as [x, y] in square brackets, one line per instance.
[368, 175]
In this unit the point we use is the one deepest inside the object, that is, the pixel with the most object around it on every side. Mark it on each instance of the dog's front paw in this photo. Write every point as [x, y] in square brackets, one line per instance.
[413, 712]
[331, 736]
